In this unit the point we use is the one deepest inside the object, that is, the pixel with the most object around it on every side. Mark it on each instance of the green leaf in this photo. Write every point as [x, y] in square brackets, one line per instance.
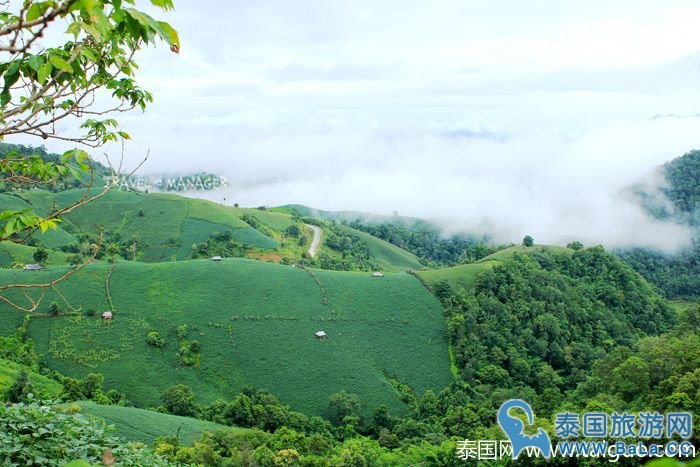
[44, 72]
[92, 30]
[167, 33]
[35, 62]
[11, 77]
[12, 74]
[74, 28]
[164, 4]
[37, 10]
[60, 63]
[49, 224]
[78, 463]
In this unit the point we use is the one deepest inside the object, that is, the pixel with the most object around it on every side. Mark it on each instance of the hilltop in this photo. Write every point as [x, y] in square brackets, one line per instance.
[156, 227]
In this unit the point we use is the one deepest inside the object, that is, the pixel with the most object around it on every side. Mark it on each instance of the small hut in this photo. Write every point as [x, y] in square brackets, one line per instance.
[216, 258]
[107, 316]
[377, 274]
[320, 334]
[33, 267]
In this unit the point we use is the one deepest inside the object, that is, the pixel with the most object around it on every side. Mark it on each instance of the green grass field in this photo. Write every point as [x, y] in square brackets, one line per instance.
[390, 257]
[164, 225]
[45, 387]
[146, 426]
[464, 276]
[510, 251]
[255, 322]
[16, 253]
[460, 278]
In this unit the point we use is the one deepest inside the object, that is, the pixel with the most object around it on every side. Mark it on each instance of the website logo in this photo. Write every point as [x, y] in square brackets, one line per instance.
[644, 434]
[515, 429]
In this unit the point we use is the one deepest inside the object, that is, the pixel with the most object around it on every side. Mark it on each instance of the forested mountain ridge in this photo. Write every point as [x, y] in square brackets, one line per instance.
[683, 177]
[676, 275]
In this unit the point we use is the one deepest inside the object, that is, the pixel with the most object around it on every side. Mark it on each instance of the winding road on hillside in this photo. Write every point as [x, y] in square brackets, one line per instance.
[316, 241]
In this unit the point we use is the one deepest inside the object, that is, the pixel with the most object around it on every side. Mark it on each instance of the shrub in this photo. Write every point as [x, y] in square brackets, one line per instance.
[182, 331]
[54, 309]
[37, 434]
[179, 400]
[155, 339]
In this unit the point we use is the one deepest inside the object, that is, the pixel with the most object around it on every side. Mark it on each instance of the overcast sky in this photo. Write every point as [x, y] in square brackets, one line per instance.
[516, 117]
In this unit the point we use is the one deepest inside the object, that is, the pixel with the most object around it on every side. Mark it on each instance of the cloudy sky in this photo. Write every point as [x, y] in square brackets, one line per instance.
[510, 116]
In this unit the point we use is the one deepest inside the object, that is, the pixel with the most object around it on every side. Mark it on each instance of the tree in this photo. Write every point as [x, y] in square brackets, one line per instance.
[54, 309]
[528, 241]
[179, 400]
[155, 339]
[20, 389]
[631, 378]
[343, 404]
[41, 255]
[52, 82]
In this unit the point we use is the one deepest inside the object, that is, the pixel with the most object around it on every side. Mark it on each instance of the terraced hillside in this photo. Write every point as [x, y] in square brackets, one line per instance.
[254, 323]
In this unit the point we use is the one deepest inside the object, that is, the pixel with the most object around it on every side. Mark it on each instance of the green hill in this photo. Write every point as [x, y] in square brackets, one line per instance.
[16, 253]
[165, 227]
[461, 278]
[464, 276]
[45, 387]
[505, 253]
[349, 216]
[255, 324]
[146, 426]
[390, 257]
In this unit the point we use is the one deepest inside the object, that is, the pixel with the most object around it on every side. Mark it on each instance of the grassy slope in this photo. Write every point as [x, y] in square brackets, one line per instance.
[255, 322]
[464, 276]
[390, 257]
[16, 253]
[365, 217]
[164, 225]
[45, 387]
[461, 278]
[52, 238]
[681, 306]
[145, 426]
[510, 251]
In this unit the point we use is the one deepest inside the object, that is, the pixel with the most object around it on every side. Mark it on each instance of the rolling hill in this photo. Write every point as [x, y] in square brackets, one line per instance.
[44, 386]
[390, 257]
[255, 324]
[146, 426]
[166, 226]
[463, 277]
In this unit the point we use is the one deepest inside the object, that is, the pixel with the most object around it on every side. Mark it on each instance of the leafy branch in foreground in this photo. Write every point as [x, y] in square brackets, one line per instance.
[76, 79]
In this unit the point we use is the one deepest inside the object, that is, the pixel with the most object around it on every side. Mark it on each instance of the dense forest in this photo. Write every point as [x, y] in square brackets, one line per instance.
[678, 275]
[428, 244]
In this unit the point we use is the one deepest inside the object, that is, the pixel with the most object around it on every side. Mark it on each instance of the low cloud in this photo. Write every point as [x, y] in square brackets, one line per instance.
[554, 188]
[495, 118]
